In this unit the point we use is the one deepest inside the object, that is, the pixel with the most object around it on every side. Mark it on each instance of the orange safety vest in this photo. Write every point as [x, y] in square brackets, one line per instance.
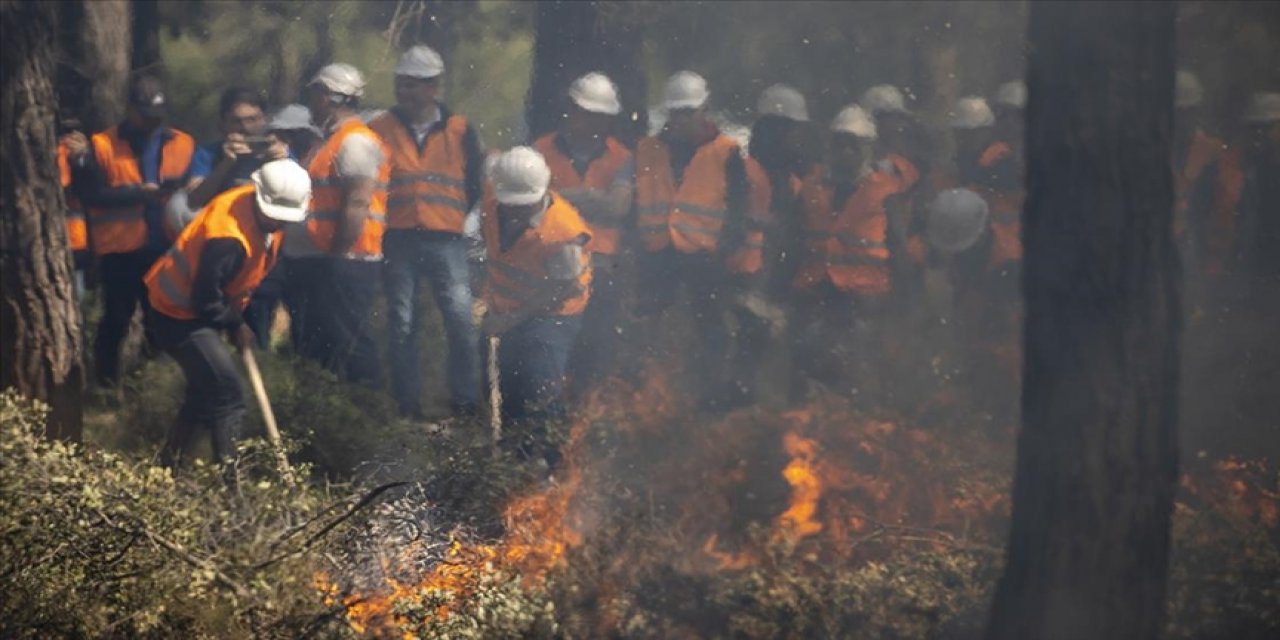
[1206, 150]
[427, 187]
[846, 247]
[908, 174]
[228, 215]
[77, 228]
[601, 174]
[690, 216]
[1005, 211]
[515, 273]
[326, 195]
[124, 229]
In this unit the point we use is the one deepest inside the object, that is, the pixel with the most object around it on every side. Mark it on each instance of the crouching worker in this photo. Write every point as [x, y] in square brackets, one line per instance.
[539, 276]
[199, 289]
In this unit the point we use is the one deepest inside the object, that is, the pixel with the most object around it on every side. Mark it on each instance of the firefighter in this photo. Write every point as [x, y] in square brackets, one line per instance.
[594, 172]
[437, 176]
[539, 285]
[843, 278]
[781, 143]
[1207, 183]
[702, 209]
[199, 287]
[340, 249]
[125, 182]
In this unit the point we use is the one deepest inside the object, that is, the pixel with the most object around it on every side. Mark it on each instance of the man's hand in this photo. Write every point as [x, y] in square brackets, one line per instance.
[77, 145]
[152, 193]
[234, 147]
[243, 338]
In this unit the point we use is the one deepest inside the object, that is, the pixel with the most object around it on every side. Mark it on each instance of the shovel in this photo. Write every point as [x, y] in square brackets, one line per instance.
[268, 416]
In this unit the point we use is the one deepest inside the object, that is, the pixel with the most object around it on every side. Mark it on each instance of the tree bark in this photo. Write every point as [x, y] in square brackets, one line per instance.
[146, 38]
[40, 340]
[1097, 456]
[574, 38]
[93, 64]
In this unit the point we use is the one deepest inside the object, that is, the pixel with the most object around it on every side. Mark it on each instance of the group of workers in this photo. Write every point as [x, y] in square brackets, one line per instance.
[820, 235]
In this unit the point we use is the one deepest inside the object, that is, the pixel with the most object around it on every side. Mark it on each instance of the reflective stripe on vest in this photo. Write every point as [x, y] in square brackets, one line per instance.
[427, 187]
[124, 229]
[847, 248]
[601, 175]
[229, 215]
[327, 196]
[520, 271]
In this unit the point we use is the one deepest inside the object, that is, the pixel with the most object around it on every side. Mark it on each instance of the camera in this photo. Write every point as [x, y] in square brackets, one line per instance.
[258, 145]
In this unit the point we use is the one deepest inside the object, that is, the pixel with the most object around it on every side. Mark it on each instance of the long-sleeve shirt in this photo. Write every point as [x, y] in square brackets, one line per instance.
[220, 261]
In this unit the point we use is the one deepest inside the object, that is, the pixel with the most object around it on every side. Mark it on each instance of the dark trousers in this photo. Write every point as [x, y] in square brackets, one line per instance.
[730, 340]
[596, 352]
[342, 314]
[123, 292]
[214, 398]
[532, 358]
[307, 283]
[835, 341]
[440, 258]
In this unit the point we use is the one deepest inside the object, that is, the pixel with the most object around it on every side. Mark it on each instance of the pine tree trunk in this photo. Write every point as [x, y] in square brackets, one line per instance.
[93, 65]
[40, 341]
[574, 38]
[1097, 456]
[146, 37]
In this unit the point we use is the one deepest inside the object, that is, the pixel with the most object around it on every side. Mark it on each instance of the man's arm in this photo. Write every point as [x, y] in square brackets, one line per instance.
[474, 176]
[91, 185]
[736, 201]
[563, 270]
[220, 261]
[358, 163]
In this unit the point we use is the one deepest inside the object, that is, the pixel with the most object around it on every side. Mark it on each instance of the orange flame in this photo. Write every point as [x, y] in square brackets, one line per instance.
[799, 520]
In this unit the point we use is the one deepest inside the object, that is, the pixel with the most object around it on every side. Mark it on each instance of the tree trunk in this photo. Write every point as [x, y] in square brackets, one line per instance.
[146, 38]
[93, 66]
[40, 341]
[574, 38]
[1097, 456]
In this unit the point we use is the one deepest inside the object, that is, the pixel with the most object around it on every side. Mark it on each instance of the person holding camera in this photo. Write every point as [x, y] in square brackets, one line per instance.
[222, 165]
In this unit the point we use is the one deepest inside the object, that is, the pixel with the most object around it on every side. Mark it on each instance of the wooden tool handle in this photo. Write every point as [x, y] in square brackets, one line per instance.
[268, 416]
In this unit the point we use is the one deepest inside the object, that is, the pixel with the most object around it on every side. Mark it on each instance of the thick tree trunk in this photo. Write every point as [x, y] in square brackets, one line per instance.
[146, 37]
[574, 38]
[1097, 456]
[40, 342]
[93, 65]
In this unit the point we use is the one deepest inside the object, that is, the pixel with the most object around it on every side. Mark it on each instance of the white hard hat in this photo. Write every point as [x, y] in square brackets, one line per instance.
[520, 176]
[293, 117]
[782, 100]
[596, 93]
[971, 112]
[1012, 94]
[1263, 107]
[420, 61]
[883, 98]
[854, 119]
[283, 190]
[957, 218]
[685, 90]
[341, 78]
[178, 213]
[1187, 90]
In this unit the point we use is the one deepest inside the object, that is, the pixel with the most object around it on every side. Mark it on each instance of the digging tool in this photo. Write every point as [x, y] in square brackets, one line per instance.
[268, 416]
[495, 393]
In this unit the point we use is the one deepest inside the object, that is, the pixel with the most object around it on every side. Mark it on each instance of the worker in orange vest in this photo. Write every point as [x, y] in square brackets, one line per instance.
[339, 252]
[844, 277]
[786, 145]
[125, 182]
[437, 176]
[539, 284]
[72, 147]
[702, 209]
[595, 173]
[201, 285]
[1207, 179]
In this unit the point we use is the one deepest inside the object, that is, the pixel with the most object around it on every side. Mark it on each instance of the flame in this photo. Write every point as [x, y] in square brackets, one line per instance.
[798, 521]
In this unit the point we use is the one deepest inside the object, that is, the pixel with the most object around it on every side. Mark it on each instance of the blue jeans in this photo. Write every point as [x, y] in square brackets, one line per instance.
[532, 358]
[441, 258]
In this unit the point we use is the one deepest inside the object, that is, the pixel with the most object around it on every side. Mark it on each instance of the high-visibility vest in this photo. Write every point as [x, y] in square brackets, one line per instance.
[228, 215]
[326, 195]
[514, 274]
[908, 174]
[1005, 211]
[1206, 151]
[690, 216]
[77, 229]
[124, 229]
[601, 173]
[428, 187]
[846, 246]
